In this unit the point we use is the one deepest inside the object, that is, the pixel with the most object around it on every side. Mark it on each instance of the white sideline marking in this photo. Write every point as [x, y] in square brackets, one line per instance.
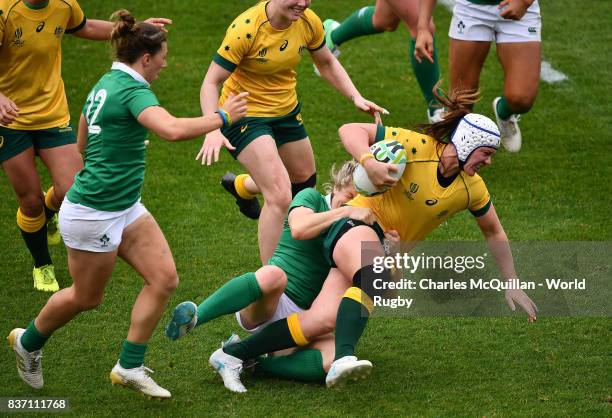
[547, 72]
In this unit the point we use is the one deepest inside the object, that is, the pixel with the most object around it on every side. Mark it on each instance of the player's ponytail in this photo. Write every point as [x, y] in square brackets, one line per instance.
[132, 39]
[457, 103]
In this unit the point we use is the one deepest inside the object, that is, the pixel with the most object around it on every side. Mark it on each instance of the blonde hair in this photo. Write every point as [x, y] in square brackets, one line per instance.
[340, 177]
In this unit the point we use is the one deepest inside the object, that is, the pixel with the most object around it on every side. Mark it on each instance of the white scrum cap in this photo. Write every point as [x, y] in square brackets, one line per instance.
[472, 132]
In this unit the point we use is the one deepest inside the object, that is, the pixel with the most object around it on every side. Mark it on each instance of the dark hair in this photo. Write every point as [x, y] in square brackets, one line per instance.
[457, 103]
[132, 39]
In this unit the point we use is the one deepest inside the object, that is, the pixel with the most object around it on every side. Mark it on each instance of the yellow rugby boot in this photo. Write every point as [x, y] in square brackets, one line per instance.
[44, 278]
[53, 233]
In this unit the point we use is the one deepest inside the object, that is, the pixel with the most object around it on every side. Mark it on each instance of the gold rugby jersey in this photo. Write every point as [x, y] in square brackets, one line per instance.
[31, 59]
[417, 204]
[263, 59]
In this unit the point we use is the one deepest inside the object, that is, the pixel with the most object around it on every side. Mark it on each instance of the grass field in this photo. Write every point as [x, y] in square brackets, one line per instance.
[553, 190]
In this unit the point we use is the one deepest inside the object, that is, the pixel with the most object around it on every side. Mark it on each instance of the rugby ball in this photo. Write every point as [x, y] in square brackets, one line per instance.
[387, 151]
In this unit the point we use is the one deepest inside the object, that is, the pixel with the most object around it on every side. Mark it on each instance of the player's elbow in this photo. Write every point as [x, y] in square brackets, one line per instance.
[298, 233]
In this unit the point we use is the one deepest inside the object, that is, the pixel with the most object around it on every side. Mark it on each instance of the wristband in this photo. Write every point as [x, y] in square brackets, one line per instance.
[225, 117]
[365, 156]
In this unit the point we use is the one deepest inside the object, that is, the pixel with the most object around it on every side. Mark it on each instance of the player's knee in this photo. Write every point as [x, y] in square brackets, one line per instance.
[311, 181]
[61, 188]
[278, 198]
[165, 282]
[520, 102]
[380, 24]
[370, 281]
[31, 204]
[271, 279]
[327, 324]
[87, 302]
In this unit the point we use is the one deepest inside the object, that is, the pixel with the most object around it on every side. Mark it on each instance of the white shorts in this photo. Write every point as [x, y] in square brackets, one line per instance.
[284, 308]
[88, 229]
[477, 22]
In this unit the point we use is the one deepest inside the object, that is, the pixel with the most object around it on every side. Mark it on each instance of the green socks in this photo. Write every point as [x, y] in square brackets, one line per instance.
[426, 73]
[350, 324]
[132, 355]
[276, 336]
[503, 110]
[32, 339]
[303, 365]
[234, 295]
[357, 24]
[37, 244]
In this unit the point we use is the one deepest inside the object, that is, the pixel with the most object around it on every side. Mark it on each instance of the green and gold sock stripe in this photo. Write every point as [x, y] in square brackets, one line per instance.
[296, 330]
[359, 296]
[49, 199]
[28, 224]
[241, 188]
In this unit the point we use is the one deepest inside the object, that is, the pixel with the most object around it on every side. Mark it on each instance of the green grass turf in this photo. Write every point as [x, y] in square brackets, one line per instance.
[556, 188]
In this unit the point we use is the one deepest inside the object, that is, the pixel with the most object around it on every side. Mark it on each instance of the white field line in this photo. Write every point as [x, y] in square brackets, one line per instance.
[547, 72]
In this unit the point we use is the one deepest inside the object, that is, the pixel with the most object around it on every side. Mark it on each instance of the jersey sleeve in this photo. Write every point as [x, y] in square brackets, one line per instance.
[139, 99]
[236, 44]
[480, 200]
[308, 198]
[77, 18]
[317, 33]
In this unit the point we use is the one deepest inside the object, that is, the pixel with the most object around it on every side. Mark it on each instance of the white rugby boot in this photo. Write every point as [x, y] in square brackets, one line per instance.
[346, 369]
[228, 367]
[29, 365]
[509, 130]
[139, 380]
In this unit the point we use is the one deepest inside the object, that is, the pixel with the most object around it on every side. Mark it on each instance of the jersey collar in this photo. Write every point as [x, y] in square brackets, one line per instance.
[328, 198]
[127, 69]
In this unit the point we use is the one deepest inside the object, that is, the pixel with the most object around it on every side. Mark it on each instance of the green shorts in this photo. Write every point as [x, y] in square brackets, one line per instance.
[338, 229]
[283, 129]
[16, 141]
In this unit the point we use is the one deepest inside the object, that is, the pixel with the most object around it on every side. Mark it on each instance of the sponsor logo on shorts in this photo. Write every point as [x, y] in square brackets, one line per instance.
[460, 26]
[532, 30]
[104, 240]
[65, 128]
[1, 141]
[243, 128]
[298, 117]
[18, 34]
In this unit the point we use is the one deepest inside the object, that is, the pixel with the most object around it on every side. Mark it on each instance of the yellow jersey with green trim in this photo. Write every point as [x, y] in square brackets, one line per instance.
[417, 204]
[31, 59]
[263, 59]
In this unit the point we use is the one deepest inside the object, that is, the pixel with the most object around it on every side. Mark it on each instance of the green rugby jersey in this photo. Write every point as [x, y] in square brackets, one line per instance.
[303, 260]
[115, 155]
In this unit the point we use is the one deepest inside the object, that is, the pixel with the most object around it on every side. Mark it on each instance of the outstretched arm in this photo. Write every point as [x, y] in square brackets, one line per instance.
[100, 30]
[498, 244]
[335, 74]
[209, 100]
